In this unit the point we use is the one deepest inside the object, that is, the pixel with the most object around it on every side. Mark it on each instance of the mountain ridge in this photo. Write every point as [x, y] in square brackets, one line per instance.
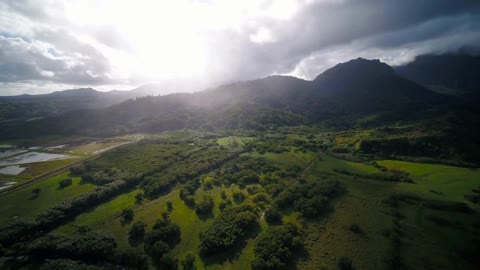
[267, 102]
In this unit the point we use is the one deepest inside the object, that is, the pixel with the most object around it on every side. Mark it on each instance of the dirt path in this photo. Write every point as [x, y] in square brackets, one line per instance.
[305, 171]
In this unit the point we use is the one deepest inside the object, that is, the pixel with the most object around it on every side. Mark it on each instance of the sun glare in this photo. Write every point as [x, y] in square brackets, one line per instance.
[169, 39]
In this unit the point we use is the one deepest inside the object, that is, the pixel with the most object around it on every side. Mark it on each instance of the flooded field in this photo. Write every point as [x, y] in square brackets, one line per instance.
[11, 152]
[12, 170]
[32, 157]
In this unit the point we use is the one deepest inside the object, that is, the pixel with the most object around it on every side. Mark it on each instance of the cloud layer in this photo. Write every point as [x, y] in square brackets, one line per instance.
[50, 44]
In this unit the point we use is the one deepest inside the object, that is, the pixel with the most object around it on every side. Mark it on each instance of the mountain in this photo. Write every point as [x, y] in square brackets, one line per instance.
[339, 96]
[456, 74]
[56, 103]
[362, 85]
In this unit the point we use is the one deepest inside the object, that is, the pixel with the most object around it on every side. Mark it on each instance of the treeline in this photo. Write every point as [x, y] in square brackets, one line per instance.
[23, 231]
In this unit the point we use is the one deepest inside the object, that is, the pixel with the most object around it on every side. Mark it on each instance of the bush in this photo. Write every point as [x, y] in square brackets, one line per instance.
[272, 215]
[169, 206]
[204, 205]
[188, 263]
[127, 214]
[65, 183]
[163, 230]
[158, 250]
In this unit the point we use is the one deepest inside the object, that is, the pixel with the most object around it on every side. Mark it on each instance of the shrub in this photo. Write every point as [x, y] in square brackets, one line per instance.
[272, 215]
[345, 263]
[65, 183]
[137, 232]
[204, 205]
[188, 263]
[127, 214]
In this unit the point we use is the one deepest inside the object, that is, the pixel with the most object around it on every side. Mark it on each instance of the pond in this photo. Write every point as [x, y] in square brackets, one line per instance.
[11, 152]
[12, 170]
[31, 157]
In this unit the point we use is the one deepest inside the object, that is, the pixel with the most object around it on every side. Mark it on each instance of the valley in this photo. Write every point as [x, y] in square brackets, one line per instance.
[274, 173]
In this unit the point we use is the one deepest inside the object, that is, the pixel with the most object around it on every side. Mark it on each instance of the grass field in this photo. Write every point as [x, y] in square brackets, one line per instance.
[425, 244]
[329, 238]
[93, 148]
[40, 168]
[436, 181]
[102, 212]
[23, 204]
[288, 159]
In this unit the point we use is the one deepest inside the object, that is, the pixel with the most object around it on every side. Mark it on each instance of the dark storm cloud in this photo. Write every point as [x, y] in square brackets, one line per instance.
[380, 24]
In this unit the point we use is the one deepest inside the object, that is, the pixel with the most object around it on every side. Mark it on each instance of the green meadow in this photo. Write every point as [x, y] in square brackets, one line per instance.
[24, 203]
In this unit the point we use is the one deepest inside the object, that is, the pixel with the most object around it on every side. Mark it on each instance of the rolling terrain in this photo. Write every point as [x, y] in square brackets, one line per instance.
[360, 168]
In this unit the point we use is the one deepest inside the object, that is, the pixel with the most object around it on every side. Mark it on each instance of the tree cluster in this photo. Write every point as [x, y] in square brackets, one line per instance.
[227, 229]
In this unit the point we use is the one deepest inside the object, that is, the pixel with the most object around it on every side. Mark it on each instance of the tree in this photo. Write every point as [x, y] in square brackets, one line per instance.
[345, 263]
[127, 214]
[169, 262]
[159, 249]
[139, 198]
[227, 229]
[204, 205]
[274, 247]
[169, 206]
[137, 232]
[188, 263]
[272, 215]
[134, 259]
[65, 183]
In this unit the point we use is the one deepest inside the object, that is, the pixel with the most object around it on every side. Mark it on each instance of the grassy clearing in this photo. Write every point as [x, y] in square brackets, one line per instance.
[24, 204]
[329, 237]
[40, 168]
[328, 164]
[288, 159]
[430, 239]
[91, 148]
[436, 181]
[102, 212]
[233, 140]
[435, 239]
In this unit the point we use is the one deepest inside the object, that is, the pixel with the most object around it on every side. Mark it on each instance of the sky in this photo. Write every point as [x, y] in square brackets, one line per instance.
[49, 45]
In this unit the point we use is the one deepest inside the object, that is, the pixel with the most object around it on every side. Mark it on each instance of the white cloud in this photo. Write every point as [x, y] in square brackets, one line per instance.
[262, 35]
[112, 42]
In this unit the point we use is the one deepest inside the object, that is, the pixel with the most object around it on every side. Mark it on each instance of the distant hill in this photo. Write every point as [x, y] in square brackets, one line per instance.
[456, 74]
[45, 105]
[339, 96]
